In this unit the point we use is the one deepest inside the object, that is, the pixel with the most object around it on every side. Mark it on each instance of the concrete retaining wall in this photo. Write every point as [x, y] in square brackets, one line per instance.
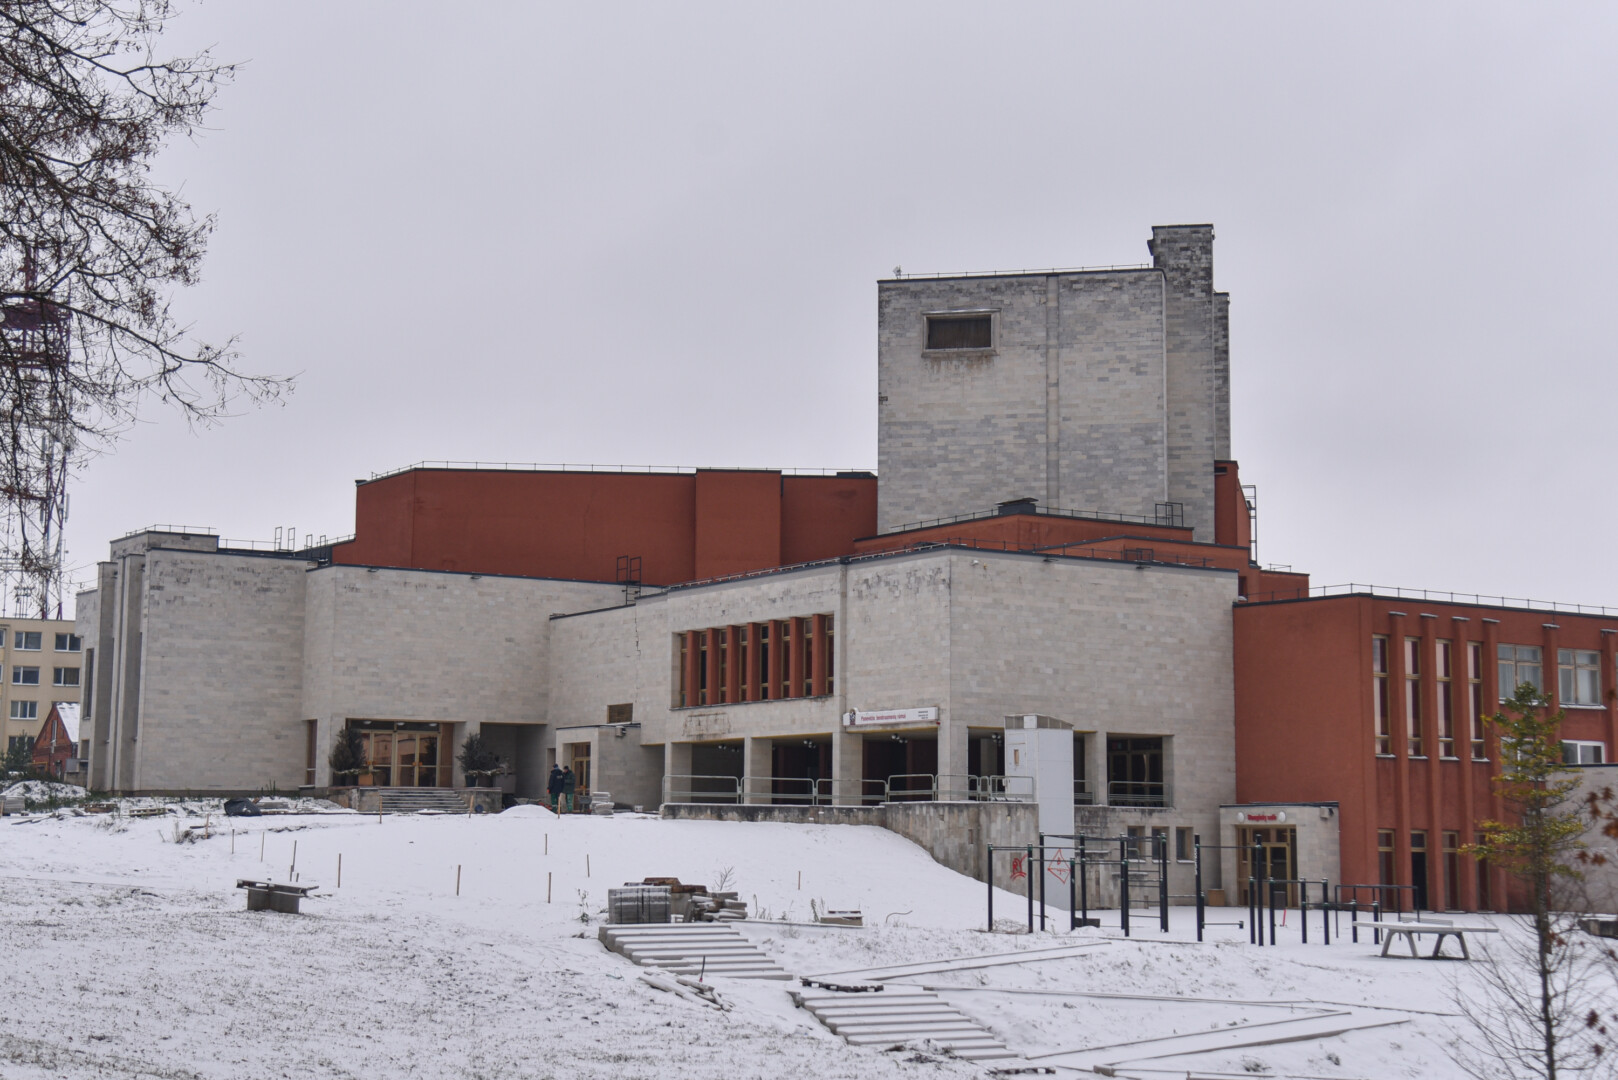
[952, 833]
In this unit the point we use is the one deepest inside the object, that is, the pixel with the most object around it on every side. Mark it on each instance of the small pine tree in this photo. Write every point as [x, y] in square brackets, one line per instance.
[1533, 1014]
[478, 759]
[347, 758]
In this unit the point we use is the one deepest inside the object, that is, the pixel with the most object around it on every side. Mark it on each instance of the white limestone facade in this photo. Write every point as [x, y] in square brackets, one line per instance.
[1093, 390]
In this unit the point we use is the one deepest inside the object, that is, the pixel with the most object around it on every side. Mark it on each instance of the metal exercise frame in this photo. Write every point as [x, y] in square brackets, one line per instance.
[1261, 897]
[1377, 906]
[1079, 913]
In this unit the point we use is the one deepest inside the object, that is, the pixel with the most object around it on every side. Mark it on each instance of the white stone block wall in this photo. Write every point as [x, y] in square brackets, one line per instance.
[221, 673]
[420, 646]
[1103, 391]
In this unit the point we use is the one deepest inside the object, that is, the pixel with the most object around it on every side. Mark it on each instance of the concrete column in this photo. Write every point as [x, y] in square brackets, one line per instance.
[795, 658]
[1434, 746]
[676, 762]
[1097, 766]
[733, 664]
[758, 768]
[1397, 689]
[1461, 692]
[952, 756]
[847, 765]
[1609, 699]
[1491, 748]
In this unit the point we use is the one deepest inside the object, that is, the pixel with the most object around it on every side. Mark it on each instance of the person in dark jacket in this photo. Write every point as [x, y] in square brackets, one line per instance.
[570, 784]
[554, 787]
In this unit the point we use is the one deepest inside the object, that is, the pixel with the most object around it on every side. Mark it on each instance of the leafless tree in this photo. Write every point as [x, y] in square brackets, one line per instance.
[91, 247]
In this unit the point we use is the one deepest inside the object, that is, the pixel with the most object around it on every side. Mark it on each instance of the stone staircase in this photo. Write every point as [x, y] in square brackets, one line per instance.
[411, 800]
[700, 949]
[902, 1015]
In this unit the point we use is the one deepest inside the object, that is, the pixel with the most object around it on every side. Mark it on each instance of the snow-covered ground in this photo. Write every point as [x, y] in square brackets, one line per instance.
[127, 952]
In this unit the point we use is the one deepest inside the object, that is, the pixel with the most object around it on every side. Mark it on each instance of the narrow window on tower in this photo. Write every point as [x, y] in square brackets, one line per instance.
[1446, 699]
[1379, 694]
[1474, 686]
[1413, 697]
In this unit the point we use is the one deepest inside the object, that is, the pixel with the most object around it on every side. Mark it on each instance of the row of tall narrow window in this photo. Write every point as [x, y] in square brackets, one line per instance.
[1579, 683]
[1447, 674]
[1419, 878]
[761, 661]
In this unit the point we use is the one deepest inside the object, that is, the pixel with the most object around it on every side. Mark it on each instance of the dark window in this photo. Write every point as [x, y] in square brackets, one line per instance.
[620, 714]
[959, 331]
[1135, 772]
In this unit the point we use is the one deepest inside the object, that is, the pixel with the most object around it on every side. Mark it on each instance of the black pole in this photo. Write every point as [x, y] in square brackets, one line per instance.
[1042, 881]
[1084, 883]
[1202, 912]
[1252, 915]
[1028, 877]
[1303, 908]
[988, 875]
[1376, 916]
[1123, 885]
[1325, 915]
[1072, 906]
[1269, 899]
[1163, 882]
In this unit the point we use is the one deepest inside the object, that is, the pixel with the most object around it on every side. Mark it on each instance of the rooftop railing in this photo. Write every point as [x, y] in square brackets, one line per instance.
[901, 275]
[684, 470]
[1436, 596]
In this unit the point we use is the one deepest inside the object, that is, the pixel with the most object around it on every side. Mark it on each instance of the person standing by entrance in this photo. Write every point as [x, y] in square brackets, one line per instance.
[554, 788]
[570, 784]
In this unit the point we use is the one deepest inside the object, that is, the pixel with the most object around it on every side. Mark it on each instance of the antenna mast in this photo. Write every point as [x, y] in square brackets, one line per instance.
[36, 449]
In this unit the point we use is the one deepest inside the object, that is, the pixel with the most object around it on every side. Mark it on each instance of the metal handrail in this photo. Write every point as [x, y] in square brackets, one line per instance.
[719, 794]
[527, 466]
[938, 275]
[767, 790]
[1137, 793]
[1396, 592]
[1082, 795]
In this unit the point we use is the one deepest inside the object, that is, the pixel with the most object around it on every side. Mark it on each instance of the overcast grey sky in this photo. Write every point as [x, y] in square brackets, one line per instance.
[651, 235]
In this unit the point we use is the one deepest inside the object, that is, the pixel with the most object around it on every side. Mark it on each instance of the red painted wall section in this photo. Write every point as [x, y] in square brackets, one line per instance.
[821, 516]
[574, 525]
[383, 513]
[1303, 716]
[737, 521]
[1232, 525]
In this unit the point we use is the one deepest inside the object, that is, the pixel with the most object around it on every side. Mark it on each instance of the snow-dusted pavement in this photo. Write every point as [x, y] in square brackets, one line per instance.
[124, 953]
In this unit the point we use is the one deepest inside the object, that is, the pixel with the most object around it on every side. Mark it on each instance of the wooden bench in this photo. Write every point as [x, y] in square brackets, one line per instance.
[1441, 930]
[273, 896]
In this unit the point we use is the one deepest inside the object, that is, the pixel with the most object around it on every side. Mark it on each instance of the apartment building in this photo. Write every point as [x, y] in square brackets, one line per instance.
[43, 663]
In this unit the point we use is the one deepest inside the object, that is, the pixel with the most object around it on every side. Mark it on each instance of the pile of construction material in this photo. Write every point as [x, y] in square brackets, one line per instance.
[695, 903]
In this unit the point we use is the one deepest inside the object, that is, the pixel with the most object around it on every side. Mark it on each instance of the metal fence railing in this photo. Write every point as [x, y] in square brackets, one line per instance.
[1137, 793]
[807, 791]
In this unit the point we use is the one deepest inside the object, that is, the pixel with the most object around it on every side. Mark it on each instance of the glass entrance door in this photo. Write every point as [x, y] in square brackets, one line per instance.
[417, 757]
[403, 758]
[1278, 859]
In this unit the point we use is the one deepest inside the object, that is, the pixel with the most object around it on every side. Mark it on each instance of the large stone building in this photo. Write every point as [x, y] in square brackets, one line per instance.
[1046, 596]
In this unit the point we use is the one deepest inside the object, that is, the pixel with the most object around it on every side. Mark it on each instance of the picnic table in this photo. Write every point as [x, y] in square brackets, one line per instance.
[274, 896]
[1410, 931]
